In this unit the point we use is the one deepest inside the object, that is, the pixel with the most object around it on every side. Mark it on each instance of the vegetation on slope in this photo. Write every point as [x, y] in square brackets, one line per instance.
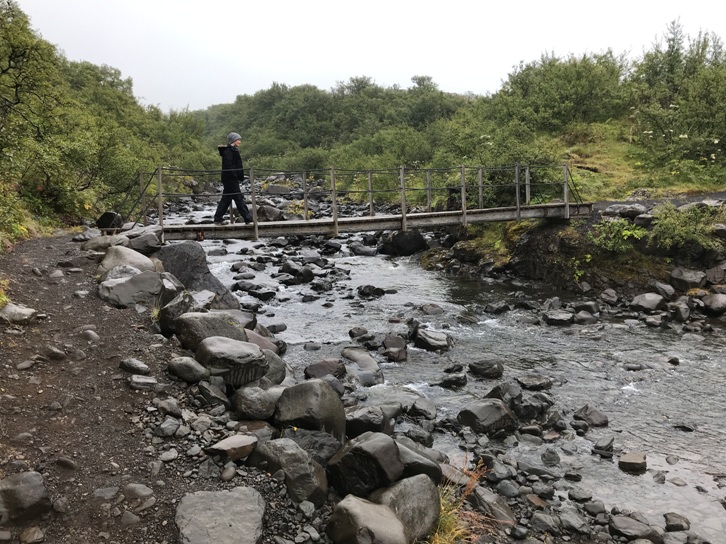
[74, 139]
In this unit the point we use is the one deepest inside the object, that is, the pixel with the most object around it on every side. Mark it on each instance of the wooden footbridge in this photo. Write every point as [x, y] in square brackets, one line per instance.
[416, 199]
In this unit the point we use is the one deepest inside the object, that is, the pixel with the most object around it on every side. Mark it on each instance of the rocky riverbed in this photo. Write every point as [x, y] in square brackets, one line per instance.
[257, 385]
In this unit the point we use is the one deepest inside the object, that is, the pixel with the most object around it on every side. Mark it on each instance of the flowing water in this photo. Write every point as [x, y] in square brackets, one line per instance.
[664, 410]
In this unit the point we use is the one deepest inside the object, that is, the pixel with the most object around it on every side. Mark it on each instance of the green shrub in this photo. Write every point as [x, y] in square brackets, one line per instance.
[616, 235]
[674, 228]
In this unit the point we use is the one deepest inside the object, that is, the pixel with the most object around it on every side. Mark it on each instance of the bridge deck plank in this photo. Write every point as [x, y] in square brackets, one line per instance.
[272, 229]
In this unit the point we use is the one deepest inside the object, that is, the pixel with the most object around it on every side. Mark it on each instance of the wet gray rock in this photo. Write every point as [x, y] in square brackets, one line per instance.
[609, 296]
[715, 304]
[193, 327]
[492, 505]
[585, 318]
[632, 529]
[545, 523]
[684, 279]
[329, 366]
[558, 317]
[592, 416]
[415, 502]
[362, 366]
[571, 521]
[604, 447]
[149, 288]
[432, 340]
[490, 369]
[358, 521]
[403, 243]
[366, 463]
[488, 415]
[633, 462]
[534, 382]
[254, 403]
[359, 420]
[188, 369]
[238, 362]
[119, 256]
[676, 522]
[221, 516]
[319, 444]
[188, 262]
[312, 405]
[648, 302]
[304, 478]
[415, 463]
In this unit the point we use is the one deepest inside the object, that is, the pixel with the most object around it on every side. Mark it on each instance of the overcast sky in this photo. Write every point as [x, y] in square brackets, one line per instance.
[193, 54]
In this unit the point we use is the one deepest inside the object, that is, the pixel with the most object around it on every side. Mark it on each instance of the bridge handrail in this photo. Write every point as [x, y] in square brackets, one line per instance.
[464, 187]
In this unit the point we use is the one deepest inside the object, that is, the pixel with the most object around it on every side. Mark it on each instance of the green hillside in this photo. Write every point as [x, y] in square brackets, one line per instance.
[74, 138]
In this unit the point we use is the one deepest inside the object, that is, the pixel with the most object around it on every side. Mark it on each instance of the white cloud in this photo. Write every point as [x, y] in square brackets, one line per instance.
[187, 53]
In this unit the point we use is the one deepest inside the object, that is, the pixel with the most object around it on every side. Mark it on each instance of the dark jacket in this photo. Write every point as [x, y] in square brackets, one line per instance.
[231, 164]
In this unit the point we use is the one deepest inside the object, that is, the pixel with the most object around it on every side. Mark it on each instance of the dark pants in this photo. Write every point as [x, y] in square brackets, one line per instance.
[232, 193]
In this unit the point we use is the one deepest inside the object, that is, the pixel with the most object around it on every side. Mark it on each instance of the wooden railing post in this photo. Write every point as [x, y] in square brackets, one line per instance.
[516, 188]
[335, 201]
[403, 198]
[527, 195]
[160, 200]
[305, 195]
[428, 191]
[370, 194]
[566, 194]
[481, 189]
[253, 197]
[463, 194]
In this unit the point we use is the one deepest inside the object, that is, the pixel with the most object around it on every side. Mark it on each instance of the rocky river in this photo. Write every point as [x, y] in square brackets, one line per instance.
[663, 391]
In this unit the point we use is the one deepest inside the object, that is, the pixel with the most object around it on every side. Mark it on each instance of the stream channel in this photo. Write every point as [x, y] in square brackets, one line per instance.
[666, 410]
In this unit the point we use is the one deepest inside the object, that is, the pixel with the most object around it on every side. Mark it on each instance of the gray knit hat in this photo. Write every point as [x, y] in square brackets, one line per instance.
[233, 137]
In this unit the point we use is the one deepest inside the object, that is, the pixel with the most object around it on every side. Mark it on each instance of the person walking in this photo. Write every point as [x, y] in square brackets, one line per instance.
[232, 175]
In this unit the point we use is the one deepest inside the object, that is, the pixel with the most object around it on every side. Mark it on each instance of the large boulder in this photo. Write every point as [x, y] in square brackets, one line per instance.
[120, 256]
[237, 362]
[221, 516]
[632, 529]
[488, 415]
[193, 327]
[648, 302]
[304, 478]
[432, 340]
[403, 243]
[312, 405]
[149, 288]
[364, 464]
[188, 262]
[102, 243]
[361, 366]
[358, 521]
[416, 503]
[415, 463]
[715, 304]
[684, 279]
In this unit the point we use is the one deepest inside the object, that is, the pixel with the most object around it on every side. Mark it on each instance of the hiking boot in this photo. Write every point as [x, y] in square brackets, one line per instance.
[221, 222]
